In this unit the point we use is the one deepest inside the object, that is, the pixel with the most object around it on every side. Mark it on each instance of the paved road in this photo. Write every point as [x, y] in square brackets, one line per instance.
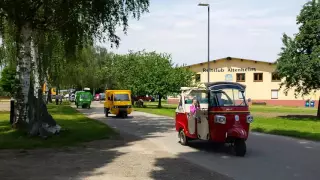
[268, 157]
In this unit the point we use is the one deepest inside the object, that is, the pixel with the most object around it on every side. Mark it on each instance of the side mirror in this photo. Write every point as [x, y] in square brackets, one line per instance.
[249, 100]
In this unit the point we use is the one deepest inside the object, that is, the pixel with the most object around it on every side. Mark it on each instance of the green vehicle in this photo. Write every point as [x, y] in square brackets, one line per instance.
[75, 96]
[83, 99]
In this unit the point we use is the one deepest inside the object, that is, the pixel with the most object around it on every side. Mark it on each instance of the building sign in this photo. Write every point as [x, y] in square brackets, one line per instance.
[230, 69]
[228, 77]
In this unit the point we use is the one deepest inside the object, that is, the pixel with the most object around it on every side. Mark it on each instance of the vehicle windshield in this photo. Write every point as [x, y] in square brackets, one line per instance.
[84, 96]
[201, 95]
[121, 97]
[227, 97]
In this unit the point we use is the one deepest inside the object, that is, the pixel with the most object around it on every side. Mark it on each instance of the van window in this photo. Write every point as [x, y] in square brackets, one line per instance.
[84, 96]
[121, 97]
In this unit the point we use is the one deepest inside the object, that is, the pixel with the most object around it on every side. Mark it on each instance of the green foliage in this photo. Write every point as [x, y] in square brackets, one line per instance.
[142, 72]
[149, 73]
[77, 22]
[299, 62]
[8, 81]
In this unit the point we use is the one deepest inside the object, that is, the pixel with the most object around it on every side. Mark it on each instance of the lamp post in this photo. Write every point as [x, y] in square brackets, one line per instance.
[207, 5]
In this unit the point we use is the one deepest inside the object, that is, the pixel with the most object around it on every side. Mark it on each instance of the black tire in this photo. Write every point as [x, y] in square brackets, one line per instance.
[184, 140]
[106, 112]
[240, 147]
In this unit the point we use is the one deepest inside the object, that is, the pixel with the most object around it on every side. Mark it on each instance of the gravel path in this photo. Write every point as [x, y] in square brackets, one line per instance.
[122, 158]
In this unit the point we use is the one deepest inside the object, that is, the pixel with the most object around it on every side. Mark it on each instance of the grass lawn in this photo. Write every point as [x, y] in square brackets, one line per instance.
[76, 128]
[287, 121]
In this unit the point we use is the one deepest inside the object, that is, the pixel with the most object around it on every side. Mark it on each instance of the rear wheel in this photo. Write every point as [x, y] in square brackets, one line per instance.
[240, 147]
[106, 112]
[183, 138]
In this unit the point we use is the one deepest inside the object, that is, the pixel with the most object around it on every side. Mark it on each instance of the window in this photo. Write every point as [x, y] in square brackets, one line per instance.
[258, 77]
[84, 96]
[198, 77]
[275, 77]
[201, 95]
[241, 95]
[121, 97]
[274, 94]
[241, 77]
[227, 97]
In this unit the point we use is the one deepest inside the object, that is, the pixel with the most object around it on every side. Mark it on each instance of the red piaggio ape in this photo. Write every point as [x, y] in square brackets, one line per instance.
[223, 117]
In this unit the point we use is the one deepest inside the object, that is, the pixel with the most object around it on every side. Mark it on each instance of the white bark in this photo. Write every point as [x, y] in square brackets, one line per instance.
[24, 69]
[35, 69]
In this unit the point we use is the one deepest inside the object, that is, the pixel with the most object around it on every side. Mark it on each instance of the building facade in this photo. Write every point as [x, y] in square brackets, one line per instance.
[263, 84]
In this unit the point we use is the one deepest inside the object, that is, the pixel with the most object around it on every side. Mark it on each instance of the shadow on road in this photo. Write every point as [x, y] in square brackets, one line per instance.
[301, 117]
[62, 163]
[180, 169]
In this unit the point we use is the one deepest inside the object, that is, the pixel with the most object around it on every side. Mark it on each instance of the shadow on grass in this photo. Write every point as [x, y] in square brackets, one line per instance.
[155, 107]
[63, 163]
[290, 133]
[301, 117]
[76, 128]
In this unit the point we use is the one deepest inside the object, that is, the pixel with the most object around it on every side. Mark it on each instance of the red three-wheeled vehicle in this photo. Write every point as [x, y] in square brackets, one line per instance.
[223, 115]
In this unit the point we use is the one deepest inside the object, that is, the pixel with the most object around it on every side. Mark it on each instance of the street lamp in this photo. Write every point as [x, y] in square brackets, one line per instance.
[207, 5]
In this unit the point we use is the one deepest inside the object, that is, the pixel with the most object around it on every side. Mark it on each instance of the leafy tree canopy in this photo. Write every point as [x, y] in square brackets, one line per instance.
[299, 61]
[8, 81]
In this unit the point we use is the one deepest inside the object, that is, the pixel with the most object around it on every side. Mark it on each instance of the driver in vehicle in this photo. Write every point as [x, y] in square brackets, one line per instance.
[220, 100]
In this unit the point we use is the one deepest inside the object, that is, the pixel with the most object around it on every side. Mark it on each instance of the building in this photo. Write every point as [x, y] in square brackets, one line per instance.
[260, 78]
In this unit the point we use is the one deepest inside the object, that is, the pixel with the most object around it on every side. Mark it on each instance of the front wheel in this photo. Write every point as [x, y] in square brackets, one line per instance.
[183, 138]
[240, 147]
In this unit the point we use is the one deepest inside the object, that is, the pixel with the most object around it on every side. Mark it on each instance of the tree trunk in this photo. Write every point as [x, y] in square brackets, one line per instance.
[23, 77]
[318, 113]
[31, 112]
[42, 122]
[159, 103]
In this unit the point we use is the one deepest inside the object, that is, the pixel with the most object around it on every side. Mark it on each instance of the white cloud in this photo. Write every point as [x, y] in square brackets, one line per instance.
[247, 29]
[136, 27]
[186, 36]
[184, 24]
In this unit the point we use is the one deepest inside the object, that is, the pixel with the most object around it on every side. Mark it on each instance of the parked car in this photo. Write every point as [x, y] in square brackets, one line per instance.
[102, 96]
[97, 97]
[144, 98]
[72, 98]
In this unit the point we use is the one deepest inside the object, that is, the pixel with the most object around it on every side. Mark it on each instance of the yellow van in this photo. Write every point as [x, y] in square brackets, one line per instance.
[118, 102]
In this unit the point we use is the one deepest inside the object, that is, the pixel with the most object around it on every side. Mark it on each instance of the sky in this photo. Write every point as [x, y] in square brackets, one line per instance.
[248, 29]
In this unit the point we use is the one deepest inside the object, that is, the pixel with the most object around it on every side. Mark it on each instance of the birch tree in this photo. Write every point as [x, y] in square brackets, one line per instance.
[77, 23]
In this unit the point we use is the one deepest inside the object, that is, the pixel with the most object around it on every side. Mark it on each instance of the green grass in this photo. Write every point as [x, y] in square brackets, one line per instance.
[288, 121]
[76, 128]
[300, 127]
[283, 109]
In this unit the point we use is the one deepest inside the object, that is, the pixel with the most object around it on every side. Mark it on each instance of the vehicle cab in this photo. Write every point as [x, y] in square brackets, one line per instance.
[222, 115]
[118, 102]
[84, 99]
